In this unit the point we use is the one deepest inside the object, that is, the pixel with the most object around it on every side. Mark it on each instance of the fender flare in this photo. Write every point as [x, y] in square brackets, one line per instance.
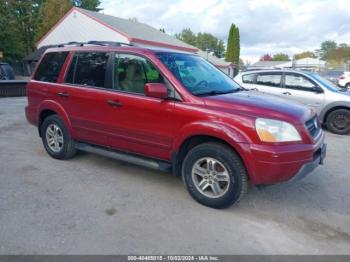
[59, 110]
[325, 110]
[234, 137]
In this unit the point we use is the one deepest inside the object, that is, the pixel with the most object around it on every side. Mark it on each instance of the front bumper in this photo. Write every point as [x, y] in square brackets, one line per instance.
[307, 168]
[275, 164]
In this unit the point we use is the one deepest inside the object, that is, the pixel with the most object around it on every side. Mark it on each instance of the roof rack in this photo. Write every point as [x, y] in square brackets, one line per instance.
[100, 43]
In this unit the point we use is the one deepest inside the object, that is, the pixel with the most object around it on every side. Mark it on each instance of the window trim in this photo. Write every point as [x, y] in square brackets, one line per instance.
[315, 90]
[270, 73]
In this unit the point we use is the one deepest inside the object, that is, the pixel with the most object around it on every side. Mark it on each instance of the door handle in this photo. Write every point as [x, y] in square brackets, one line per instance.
[114, 103]
[63, 94]
[287, 93]
[254, 89]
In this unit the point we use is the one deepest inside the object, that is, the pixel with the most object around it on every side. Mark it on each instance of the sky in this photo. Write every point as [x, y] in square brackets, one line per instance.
[266, 26]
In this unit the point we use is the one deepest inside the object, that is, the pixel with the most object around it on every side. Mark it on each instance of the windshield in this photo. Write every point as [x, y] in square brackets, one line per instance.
[197, 75]
[328, 84]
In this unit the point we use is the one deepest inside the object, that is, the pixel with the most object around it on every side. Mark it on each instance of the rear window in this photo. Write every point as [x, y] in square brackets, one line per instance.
[248, 79]
[88, 68]
[50, 67]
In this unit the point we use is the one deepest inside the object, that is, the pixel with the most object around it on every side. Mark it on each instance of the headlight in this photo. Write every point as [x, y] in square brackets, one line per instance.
[270, 130]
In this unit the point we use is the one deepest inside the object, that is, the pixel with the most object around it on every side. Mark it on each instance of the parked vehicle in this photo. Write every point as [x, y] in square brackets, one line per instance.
[332, 75]
[6, 72]
[331, 103]
[344, 80]
[170, 111]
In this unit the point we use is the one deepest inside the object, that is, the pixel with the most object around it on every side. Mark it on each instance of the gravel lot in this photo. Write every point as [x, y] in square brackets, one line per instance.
[95, 205]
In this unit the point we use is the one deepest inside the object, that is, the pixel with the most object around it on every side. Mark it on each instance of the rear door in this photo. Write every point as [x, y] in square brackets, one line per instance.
[84, 94]
[300, 88]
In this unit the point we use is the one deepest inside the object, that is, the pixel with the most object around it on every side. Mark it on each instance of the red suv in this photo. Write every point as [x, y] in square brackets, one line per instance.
[171, 111]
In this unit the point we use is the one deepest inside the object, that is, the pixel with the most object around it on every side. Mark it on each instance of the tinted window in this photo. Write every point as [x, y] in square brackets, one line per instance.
[133, 72]
[90, 69]
[197, 75]
[269, 79]
[299, 82]
[248, 79]
[50, 67]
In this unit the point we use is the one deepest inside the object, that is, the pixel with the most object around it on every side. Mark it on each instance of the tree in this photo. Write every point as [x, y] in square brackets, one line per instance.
[304, 55]
[326, 47]
[266, 57]
[13, 48]
[233, 45]
[280, 57]
[50, 13]
[92, 5]
[204, 41]
[187, 36]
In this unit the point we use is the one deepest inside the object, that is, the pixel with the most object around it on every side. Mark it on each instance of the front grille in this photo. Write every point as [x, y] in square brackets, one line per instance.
[313, 126]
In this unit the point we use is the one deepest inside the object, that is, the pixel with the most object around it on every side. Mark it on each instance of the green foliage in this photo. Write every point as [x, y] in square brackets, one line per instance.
[280, 57]
[18, 22]
[92, 5]
[187, 36]
[326, 48]
[233, 46]
[304, 55]
[203, 41]
[51, 12]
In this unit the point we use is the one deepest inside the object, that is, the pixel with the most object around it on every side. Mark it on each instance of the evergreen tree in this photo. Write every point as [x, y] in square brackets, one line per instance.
[92, 5]
[233, 45]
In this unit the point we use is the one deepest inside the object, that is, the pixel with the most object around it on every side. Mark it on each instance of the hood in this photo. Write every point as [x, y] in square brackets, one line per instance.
[257, 104]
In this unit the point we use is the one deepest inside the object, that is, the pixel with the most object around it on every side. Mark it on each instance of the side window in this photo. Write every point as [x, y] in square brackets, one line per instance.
[50, 67]
[248, 79]
[133, 72]
[268, 79]
[88, 68]
[298, 82]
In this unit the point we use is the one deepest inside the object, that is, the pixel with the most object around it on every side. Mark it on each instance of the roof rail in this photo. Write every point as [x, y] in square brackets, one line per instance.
[100, 43]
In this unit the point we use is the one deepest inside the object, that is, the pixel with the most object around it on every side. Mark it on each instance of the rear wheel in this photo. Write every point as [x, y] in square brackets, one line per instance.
[56, 138]
[214, 175]
[338, 121]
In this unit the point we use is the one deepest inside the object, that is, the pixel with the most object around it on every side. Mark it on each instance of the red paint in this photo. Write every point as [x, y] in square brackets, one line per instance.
[157, 127]
[156, 90]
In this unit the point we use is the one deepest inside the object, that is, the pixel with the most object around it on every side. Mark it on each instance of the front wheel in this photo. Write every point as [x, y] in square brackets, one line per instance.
[338, 121]
[214, 175]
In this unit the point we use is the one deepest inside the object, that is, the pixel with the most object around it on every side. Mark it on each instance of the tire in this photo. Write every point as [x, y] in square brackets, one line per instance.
[62, 146]
[338, 121]
[231, 176]
[347, 87]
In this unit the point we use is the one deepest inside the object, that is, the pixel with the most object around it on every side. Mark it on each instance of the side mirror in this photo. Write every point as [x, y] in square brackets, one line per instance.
[156, 90]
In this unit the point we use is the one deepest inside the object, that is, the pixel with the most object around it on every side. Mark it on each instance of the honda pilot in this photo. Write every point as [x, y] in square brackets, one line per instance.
[170, 111]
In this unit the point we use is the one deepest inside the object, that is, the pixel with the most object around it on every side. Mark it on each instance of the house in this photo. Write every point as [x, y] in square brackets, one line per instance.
[310, 64]
[80, 25]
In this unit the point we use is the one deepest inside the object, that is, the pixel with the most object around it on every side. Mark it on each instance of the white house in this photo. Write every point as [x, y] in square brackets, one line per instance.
[80, 25]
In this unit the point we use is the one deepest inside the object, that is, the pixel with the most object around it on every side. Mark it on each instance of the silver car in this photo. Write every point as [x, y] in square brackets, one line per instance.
[331, 103]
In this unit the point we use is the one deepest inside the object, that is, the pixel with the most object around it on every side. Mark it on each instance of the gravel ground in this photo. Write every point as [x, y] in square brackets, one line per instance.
[96, 205]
